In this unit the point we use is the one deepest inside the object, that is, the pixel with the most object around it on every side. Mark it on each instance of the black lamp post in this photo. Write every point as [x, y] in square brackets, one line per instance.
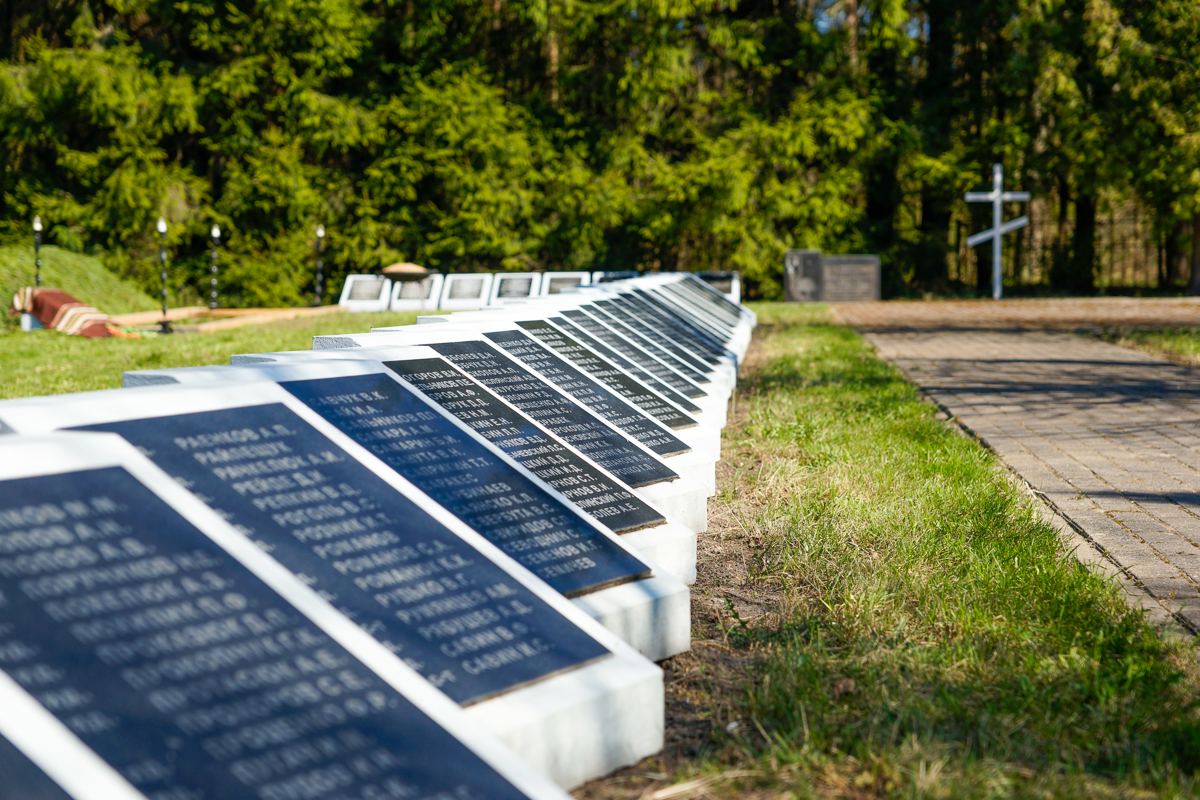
[320, 265]
[164, 324]
[37, 250]
[212, 283]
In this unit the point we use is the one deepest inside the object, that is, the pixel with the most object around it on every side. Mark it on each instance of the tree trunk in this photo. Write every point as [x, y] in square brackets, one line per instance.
[937, 198]
[1194, 283]
[852, 34]
[1082, 276]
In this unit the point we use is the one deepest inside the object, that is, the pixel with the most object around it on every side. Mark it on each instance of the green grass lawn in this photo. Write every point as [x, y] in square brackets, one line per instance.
[926, 635]
[46, 362]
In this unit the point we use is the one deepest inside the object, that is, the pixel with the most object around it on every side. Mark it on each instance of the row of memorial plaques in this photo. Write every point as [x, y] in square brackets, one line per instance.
[257, 625]
[455, 291]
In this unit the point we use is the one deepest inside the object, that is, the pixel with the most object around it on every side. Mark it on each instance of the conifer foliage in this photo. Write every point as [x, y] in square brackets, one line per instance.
[578, 134]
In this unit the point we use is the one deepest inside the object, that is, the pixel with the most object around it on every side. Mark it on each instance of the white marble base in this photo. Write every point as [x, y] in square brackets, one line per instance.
[703, 438]
[684, 500]
[653, 616]
[698, 466]
[582, 724]
[671, 546]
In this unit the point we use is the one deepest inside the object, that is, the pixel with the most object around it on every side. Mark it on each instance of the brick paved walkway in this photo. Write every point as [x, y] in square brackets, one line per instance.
[1110, 437]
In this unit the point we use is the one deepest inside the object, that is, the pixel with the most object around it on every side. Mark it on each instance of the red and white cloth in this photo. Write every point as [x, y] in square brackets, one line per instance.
[59, 311]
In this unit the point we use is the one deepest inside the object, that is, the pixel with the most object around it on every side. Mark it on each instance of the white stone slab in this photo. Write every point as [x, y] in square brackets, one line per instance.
[64, 757]
[683, 503]
[465, 291]
[510, 286]
[559, 282]
[422, 295]
[696, 466]
[366, 293]
[597, 691]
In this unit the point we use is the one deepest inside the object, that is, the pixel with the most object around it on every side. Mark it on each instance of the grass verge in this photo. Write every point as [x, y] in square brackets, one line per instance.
[1181, 345]
[46, 362]
[881, 613]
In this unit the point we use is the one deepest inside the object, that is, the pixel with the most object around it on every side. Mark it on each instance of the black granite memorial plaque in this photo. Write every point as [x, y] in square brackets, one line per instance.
[21, 779]
[697, 325]
[639, 374]
[187, 673]
[716, 303]
[593, 437]
[603, 402]
[627, 387]
[687, 311]
[688, 336]
[662, 341]
[587, 487]
[514, 287]
[622, 345]
[451, 614]
[503, 505]
[664, 349]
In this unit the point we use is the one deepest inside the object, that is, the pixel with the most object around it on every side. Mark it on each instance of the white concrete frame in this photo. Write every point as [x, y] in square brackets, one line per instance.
[379, 303]
[501, 278]
[549, 279]
[432, 296]
[450, 303]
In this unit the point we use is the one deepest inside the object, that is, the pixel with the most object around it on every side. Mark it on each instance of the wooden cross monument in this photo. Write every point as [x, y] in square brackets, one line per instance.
[997, 197]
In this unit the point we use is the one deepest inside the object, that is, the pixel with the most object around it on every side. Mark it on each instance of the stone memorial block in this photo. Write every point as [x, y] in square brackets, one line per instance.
[619, 381]
[802, 276]
[727, 283]
[460, 613]
[366, 293]
[595, 491]
[617, 437]
[466, 291]
[369, 406]
[509, 286]
[558, 282]
[422, 295]
[850, 279]
[598, 326]
[139, 629]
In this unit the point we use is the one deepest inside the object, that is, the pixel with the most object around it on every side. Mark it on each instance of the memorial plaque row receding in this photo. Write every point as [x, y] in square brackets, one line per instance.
[466, 625]
[643, 359]
[545, 405]
[503, 505]
[602, 402]
[188, 674]
[587, 487]
[552, 337]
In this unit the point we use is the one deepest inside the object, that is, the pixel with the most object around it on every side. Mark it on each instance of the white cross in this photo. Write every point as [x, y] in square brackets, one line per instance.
[997, 197]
